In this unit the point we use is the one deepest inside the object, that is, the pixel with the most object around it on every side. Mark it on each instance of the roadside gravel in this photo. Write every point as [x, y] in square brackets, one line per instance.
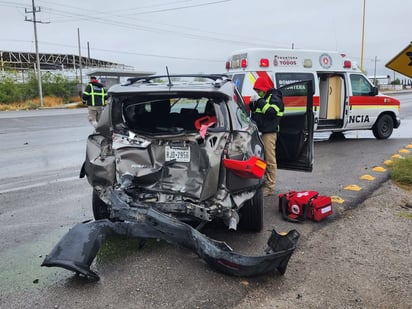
[362, 260]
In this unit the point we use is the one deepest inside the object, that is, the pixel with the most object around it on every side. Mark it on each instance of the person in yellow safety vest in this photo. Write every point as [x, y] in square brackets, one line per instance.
[267, 109]
[94, 95]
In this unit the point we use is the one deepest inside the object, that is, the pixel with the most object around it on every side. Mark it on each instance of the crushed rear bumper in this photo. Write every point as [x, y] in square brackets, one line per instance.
[79, 246]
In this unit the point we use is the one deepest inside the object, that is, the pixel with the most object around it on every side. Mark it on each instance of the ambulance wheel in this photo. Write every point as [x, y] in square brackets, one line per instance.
[100, 208]
[337, 136]
[383, 127]
[252, 213]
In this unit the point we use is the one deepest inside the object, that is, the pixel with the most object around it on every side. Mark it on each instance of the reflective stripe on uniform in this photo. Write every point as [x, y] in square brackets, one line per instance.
[92, 94]
[267, 106]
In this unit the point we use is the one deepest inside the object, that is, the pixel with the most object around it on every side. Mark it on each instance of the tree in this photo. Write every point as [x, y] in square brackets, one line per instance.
[55, 85]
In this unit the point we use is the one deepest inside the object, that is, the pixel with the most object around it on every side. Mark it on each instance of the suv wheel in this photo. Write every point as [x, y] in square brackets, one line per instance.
[252, 213]
[100, 208]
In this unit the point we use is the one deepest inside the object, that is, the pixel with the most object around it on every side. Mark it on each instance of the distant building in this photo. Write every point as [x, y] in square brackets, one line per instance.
[380, 79]
[21, 61]
[69, 65]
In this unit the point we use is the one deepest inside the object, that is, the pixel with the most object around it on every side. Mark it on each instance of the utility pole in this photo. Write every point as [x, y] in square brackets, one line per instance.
[33, 11]
[363, 34]
[88, 53]
[80, 59]
[374, 72]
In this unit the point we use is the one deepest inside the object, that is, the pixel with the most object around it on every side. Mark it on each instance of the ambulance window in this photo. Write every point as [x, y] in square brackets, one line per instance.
[360, 85]
[283, 79]
[238, 81]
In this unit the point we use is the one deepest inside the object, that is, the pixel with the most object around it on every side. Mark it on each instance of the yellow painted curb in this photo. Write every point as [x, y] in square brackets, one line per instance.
[367, 177]
[353, 188]
[337, 199]
[409, 146]
[388, 162]
[404, 151]
[379, 169]
[397, 156]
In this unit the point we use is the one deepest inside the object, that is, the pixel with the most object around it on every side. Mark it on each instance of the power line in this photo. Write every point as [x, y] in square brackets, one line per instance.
[122, 24]
[129, 10]
[178, 8]
[210, 36]
[12, 4]
[134, 53]
[33, 11]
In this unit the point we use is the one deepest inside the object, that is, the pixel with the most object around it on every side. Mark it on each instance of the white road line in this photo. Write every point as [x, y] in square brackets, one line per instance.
[38, 184]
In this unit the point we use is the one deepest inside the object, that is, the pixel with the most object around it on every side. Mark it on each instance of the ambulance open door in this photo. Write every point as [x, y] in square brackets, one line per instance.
[295, 144]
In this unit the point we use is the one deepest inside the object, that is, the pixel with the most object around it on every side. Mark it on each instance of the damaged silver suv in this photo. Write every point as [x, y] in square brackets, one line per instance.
[185, 146]
[172, 153]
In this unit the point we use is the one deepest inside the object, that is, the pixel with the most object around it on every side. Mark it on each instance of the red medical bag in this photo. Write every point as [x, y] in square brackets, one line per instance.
[297, 206]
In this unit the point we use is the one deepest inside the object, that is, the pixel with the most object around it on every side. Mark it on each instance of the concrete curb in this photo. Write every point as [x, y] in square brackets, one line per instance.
[68, 105]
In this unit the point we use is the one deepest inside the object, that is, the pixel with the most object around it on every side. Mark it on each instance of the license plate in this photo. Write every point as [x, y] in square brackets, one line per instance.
[179, 154]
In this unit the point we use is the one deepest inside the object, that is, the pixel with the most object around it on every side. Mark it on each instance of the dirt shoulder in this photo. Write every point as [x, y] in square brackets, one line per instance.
[362, 260]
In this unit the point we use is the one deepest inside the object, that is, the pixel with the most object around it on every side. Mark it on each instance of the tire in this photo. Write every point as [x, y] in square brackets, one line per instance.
[252, 213]
[337, 136]
[383, 127]
[100, 208]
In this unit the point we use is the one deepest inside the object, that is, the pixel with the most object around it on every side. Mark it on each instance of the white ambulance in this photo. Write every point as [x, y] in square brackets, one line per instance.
[344, 97]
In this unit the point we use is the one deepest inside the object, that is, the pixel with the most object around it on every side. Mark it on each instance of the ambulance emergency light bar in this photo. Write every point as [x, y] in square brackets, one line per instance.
[264, 63]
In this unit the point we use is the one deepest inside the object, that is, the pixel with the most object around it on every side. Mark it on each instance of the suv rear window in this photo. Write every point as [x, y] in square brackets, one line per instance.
[171, 115]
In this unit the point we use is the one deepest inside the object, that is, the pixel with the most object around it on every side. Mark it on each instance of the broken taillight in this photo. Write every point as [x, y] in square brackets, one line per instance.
[253, 167]
[229, 264]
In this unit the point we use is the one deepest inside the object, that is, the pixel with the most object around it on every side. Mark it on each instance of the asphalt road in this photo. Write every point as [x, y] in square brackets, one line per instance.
[41, 197]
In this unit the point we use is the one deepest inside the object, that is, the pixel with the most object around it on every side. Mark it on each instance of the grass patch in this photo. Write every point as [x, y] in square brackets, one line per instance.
[405, 215]
[401, 171]
[48, 101]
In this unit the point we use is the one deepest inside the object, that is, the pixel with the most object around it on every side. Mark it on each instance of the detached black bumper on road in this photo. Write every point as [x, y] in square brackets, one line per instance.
[78, 248]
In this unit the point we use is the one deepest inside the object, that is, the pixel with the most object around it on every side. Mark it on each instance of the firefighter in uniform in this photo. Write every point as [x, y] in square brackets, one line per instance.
[267, 109]
[94, 95]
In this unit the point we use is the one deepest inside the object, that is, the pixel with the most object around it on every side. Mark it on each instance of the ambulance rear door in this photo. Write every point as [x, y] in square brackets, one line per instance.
[292, 106]
[295, 146]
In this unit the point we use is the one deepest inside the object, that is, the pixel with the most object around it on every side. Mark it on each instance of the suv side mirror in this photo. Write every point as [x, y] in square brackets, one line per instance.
[374, 91]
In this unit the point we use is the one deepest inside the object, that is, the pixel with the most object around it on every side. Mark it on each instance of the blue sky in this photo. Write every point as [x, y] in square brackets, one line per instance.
[193, 36]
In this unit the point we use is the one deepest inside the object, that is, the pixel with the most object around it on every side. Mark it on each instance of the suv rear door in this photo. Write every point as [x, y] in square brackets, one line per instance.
[294, 147]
